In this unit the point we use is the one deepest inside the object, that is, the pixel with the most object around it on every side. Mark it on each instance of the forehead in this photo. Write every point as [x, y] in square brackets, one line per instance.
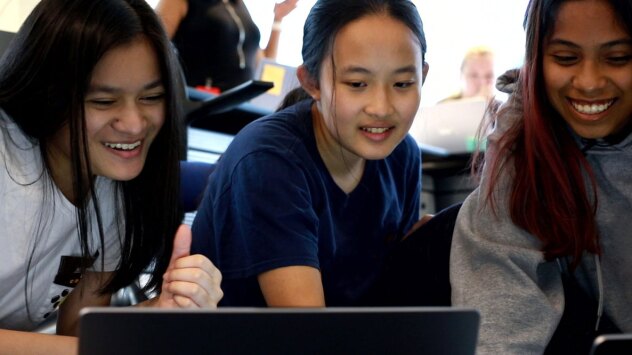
[479, 61]
[128, 63]
[587, 21]
[377, 35]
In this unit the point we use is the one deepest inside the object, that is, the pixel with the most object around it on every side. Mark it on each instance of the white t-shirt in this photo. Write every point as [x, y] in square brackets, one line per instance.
[39, 224]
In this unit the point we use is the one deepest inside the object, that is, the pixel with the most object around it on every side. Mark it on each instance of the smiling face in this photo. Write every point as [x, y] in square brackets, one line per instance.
[367, 97]
[124, 111]
[587, 65]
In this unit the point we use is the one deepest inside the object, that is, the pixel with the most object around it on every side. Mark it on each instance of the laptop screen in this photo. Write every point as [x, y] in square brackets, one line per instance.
[612, 344]
[451, 126]
[405, 330]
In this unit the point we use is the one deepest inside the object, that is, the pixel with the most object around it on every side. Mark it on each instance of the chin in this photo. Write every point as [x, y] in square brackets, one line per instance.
[377, 155]
[128, 175]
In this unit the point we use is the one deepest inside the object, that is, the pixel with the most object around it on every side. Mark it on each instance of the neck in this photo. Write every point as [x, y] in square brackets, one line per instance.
[345, 167]
[60, 167]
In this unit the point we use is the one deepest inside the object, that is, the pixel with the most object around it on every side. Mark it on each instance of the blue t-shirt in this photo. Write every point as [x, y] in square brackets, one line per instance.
[272, 203]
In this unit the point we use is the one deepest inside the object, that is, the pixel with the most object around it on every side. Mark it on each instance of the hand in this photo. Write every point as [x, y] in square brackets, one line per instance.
[282, 9]
[191, 281]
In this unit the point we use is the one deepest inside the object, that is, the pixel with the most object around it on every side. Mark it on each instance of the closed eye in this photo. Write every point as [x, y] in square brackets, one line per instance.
[404, 84]
[356, 84]
[102, 102]
[565, 59]
[158, 97]
[619, 60]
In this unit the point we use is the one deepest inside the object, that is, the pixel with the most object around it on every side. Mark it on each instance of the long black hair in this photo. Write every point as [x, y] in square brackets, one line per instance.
[554, 195]
[44, 76]
[327, 17]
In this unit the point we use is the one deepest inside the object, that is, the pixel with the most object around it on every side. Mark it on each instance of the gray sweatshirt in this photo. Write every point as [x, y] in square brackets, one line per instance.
[499, 269]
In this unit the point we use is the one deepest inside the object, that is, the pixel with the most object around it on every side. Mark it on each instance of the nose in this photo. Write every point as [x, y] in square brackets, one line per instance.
[130, 120]
[589, 79]
[379, 102]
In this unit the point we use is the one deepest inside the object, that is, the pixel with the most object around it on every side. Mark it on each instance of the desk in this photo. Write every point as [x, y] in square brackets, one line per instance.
[446, 180]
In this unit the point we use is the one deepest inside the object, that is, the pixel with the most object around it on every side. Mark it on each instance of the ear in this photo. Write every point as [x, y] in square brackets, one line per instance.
[309, 83]
[424, 72]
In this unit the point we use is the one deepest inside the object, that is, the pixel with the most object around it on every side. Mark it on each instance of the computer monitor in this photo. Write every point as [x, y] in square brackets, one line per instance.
[237, 331]
[612, 344]
[284, 79]
[450, 126]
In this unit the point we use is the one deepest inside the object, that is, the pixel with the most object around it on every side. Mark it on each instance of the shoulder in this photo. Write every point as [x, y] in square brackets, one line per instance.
[19, 154]
[285, 130]
[282, 140]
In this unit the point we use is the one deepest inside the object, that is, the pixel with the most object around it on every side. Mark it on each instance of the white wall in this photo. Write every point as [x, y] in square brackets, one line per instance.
[451, 27]
[13, 13]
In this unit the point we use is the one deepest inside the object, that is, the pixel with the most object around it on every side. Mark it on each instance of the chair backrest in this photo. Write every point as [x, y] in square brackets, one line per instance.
[193, 180]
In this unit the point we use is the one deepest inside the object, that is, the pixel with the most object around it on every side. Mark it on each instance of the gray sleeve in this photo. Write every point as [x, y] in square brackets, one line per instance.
[498, 269]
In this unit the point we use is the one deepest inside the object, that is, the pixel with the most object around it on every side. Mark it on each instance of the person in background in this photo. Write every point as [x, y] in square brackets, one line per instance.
[217, 41]
[542, 248]
[477, 75]
[306, 203]
[89, 171]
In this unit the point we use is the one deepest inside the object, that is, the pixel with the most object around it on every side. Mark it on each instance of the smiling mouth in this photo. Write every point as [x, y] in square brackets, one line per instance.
[593, 108]
[123, 146]
[376, 130]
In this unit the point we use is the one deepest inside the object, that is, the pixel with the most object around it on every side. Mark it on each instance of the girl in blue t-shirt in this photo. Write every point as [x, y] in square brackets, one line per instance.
[305, 205]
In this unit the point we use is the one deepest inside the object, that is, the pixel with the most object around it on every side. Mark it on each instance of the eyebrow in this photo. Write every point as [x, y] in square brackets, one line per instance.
[618, 42]
[361, 70]
[110, 89]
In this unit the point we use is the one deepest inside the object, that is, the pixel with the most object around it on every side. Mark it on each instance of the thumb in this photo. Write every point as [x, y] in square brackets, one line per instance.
[181, 244]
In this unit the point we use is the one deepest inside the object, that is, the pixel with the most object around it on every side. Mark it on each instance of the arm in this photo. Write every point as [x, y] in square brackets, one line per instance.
[171, 12]
[84, 295]
[16, 343]
[499, 269]
[280, 11]
[292, 286]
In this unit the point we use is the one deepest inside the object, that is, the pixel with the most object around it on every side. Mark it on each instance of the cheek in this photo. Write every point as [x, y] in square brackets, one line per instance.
[95, 123]
[157, 117]
[551, 83]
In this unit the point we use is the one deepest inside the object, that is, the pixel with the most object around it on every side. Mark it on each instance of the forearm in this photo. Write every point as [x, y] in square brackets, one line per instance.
[273, 43]
[292, 286]
[16, 343]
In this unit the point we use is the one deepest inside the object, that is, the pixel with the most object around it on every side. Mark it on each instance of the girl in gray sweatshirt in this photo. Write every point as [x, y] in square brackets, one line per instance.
[543, 248]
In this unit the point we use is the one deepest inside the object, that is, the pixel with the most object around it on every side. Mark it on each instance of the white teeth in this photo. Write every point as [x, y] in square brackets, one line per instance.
[123, 146]
[592, 109]
[375, 130]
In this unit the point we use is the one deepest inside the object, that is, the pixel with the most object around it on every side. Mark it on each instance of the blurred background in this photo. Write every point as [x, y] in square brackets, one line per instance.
[452, 26]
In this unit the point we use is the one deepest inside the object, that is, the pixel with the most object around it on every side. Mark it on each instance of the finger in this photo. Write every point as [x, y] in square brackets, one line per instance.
[202, 286]
[181, 244]
[198, 296]
[208, 279]
[194, 261]
[184, 302]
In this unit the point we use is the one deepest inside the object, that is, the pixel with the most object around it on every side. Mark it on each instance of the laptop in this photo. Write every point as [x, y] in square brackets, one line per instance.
[612, 344]
[449, 126]
[284, 79]
[404, 330]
